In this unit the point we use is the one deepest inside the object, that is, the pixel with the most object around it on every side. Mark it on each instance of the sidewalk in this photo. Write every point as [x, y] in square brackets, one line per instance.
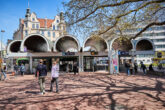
[86, 91]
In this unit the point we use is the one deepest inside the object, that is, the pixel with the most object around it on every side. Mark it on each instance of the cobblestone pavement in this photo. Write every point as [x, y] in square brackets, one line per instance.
[86, 91]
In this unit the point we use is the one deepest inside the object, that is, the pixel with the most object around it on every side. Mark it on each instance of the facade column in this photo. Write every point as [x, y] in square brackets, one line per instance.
[110, 62]
[31, 64]
[12, 66]
[81, 62]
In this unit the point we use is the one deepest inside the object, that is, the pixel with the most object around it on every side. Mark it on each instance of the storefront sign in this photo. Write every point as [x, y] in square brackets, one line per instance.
[68, 53]
[94, 53]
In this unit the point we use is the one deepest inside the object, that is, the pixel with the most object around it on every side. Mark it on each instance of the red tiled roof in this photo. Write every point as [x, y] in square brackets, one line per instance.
[42, 22]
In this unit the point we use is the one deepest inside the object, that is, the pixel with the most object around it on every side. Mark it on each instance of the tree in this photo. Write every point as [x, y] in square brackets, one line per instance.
[106, 17]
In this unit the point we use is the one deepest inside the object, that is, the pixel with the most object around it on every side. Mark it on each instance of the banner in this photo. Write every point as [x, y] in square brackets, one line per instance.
[114, 64]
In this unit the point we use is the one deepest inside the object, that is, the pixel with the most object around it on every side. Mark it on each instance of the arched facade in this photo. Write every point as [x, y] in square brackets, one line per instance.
[35, 43]
[67, 43]
[14, 46]
[124, 45]
[144, 44]
[95, 44]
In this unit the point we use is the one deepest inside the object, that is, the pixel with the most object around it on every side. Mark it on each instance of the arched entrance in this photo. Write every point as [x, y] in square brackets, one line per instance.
[143, 45]
[123, 45]
[144, 50]
[95, 44]
[68, 45]
[14, 46]
[97, 59]
[35, 43]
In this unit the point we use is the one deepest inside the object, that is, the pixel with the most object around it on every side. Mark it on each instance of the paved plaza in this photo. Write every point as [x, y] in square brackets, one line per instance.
[86, 91]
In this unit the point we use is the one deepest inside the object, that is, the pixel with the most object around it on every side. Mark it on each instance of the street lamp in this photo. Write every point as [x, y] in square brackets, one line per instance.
[2, 31]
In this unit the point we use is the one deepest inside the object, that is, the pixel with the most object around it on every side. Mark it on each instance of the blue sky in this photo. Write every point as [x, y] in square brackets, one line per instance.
[12, 10]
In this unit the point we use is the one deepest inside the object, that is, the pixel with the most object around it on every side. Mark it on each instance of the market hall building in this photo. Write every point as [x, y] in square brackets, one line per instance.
[47, 39]
[38, 38]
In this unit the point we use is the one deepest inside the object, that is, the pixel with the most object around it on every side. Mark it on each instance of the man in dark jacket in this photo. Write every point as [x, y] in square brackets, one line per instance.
[41, 74]
[127, 66]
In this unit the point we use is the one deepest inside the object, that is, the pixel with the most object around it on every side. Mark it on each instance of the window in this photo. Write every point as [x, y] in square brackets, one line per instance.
[48, 33]
[33, 26]
[57, 21]
[37, 26]
[33, 19]
[54, 34]
[42, 32]
[26, 32]
[53, 27]
[58, 27]
[26, 25]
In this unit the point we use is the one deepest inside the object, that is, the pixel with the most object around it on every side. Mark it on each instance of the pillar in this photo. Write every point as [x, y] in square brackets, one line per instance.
[81, 69]
[31, 64]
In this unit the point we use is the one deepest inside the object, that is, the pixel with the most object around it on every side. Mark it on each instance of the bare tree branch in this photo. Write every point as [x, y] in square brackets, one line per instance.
[117, 4]
[146, 27]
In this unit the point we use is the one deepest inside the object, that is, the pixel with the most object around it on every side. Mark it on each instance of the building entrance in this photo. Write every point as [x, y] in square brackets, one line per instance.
[123, 57]
[95, 64]
[66, 63]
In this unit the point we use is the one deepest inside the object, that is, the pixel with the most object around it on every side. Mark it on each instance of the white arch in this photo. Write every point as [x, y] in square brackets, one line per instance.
[71, 36]
[140, 39]
[114, 40]
[9, 45]
[91, 37]
[30, 35]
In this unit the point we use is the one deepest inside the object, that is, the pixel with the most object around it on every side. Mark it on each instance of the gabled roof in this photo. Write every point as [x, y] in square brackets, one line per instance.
[42, 22]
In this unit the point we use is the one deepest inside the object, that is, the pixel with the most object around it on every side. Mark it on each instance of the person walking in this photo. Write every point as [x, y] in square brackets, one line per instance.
[22, 69]
[151, 68]
[131, 67]
[3, 70]
[127, 66]
[135, 67]
[54, 75]
[143, 67]
[16, 67]
[75, 68]
[41, 75]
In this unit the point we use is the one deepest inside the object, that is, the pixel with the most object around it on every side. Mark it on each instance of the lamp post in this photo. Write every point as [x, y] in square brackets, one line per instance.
[2, 31]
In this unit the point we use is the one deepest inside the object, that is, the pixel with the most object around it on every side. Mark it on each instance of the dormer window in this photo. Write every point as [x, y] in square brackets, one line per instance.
[57, 21]
[33, 19]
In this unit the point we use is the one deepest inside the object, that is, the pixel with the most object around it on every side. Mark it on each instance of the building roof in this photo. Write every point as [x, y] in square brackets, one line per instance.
[43, 21]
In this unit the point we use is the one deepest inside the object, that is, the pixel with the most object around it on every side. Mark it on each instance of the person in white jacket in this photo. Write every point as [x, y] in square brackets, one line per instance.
[55, 75]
